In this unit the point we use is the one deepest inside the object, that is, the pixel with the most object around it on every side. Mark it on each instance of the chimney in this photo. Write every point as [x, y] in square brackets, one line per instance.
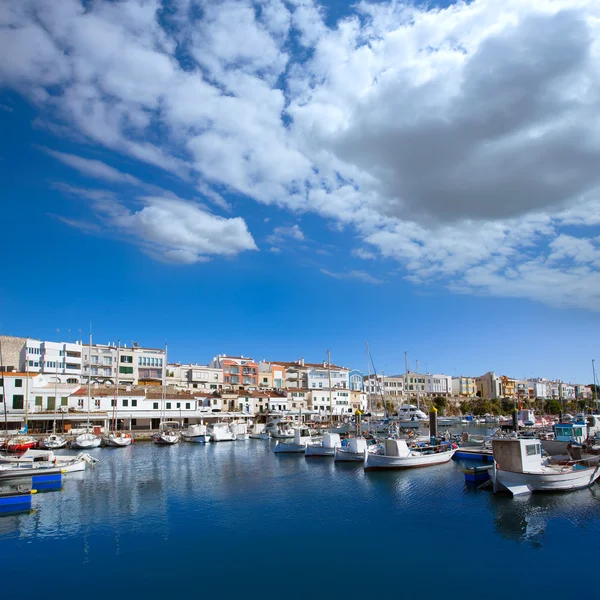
[302, 361]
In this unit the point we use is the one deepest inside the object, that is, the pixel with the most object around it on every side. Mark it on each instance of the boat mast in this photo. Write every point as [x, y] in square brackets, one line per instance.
[55, 401]
[3, 389]
[406, 381]
[27, 390]
[330, 394]
[595, 384]
[418, 391]
[368, 381]
[89, 382]
[164, 385]
[116, 389]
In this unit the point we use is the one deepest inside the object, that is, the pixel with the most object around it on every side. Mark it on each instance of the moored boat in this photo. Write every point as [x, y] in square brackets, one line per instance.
[353, 451]
[397, 455]
[117, 439]
[197, 434]
[20, 443]
[302, 438]
[86, 441]
[53, 442]
[220, 432]
[326, 447]
[518, 467]
[168, 434]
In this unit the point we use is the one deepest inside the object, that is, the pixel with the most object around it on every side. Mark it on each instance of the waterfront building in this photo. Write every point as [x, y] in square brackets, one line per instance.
[56, 360]
[194, 377]
[509, 387]
[319, 403]
[567, 391]
[239, 372]
[358, 401]
[374, 384]
[303, 375]
[135, 365]
[356, 381]
[465, 387]
[539, 388]
[438, 385]
[489, 386]
[271, 375]
[298, 400]
[583, 392]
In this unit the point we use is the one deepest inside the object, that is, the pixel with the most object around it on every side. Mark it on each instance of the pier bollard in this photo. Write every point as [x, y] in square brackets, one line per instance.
[433, 426]
[515, 417]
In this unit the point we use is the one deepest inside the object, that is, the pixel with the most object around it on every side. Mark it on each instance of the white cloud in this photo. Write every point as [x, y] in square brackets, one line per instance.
[359, 275]
[281, 234]
[93, 168]
[462, 142]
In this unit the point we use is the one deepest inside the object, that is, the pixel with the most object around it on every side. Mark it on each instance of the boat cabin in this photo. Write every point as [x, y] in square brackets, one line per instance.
[527, 417]
[518, 455]
[301, 434]
[358, 445]
[331, 440]
[570, 432]
[396, 448]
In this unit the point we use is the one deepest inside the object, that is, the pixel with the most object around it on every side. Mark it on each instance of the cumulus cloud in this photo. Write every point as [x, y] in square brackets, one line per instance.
[461, 142]
[281, 234]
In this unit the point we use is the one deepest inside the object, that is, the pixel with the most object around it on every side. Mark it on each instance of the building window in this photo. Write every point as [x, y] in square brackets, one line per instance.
[127, 359]
[51, 403]
[125, 403]
[134, 403]
[112, 402]
[187, 406]
[71, 380]
[64, 401]
[94, 360]
[133, 422]
[38, 401]
[168, 405]
[179, 405]
[126, 370]
[155, 405]
[17, 402]
[18, 383]
[213, 386]
[107, 360]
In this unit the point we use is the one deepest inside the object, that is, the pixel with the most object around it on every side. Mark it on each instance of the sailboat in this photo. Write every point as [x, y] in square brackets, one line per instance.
[117, 439]
[88, 440]
[168, 433]
[330, 440]
[53, 441]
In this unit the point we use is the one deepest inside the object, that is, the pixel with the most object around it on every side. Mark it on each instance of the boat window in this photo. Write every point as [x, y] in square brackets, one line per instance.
[531, 449]
[577, 431]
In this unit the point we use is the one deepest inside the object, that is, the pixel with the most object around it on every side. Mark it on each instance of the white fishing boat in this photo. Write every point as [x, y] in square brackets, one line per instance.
[407, 411]
[240, 430]
[197, 434]
[397, 455]
[86, 441]
[302, 438]
[326, 447]
[259, 432]
[280, 429]
[53, 442]
[32, 461]
[220, 432]
[518, 467]
[117, 439]
[353, 451]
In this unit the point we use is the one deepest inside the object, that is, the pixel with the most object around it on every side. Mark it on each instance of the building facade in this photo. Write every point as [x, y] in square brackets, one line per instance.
[489, 386]
[464, 387]
[195, 377]
[239, 372]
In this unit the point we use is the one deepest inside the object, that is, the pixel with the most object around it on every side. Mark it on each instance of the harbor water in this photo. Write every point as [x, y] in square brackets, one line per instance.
[234, 519]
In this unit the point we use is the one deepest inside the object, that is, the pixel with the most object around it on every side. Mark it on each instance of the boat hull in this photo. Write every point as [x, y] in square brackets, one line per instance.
[20, 446]
[86, 444]
[548, 481]
[319, 451]
[52, 444]
[117, 442]
[290, 448]
[203, 438]
[260, 436]
[341, 455]
[165, 439]
[380, 461]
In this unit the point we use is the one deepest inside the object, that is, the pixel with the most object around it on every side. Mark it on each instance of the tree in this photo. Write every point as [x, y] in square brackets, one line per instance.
[440, 403]
[553, 407]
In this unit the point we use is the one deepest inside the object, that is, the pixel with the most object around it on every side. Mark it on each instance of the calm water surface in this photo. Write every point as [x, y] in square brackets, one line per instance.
[234, 518]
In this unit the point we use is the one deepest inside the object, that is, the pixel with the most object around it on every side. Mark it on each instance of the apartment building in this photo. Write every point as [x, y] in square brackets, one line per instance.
[489, 386]
[134, 365]
[239, 372]
[194, 377]
[319, 402]
[465, 387]
[271, 375]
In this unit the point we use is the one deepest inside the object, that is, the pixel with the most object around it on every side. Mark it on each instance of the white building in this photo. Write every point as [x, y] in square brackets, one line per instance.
[195, 377]
[340, 404]
[60, 360]
[135, 365]
[438, 385]
[489, 386]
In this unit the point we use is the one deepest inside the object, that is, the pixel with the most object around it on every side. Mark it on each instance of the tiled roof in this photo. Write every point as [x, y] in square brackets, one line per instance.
[105, 391]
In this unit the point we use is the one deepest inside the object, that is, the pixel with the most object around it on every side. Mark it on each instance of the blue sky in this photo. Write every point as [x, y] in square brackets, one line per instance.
[275, 179]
